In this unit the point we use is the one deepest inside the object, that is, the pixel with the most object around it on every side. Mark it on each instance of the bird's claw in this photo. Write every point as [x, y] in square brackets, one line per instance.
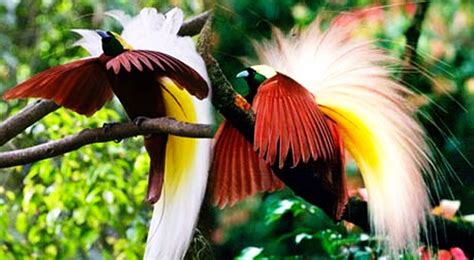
[108, 126]
[139, 120]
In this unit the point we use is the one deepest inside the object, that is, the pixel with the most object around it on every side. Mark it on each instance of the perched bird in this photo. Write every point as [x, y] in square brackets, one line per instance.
[154, 73]
[320, 94]
[313, 154]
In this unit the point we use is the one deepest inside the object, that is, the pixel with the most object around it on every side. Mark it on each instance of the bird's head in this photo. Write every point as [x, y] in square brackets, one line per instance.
[112, 43]
[255, 76]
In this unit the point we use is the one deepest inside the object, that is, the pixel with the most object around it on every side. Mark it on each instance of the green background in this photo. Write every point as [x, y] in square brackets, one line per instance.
[90, 203]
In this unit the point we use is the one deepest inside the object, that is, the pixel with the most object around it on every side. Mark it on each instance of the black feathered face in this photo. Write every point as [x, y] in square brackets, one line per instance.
[111, 45]
[254, 79]
[255, 76]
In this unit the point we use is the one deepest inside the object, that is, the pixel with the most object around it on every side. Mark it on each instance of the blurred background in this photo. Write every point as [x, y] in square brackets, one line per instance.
[89, 204]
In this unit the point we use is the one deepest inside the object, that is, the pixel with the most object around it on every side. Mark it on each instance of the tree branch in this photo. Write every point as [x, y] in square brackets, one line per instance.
[107, 133]
[412, 35]
[448, 233]
[29, 115]
[224, 97]
[194, 25]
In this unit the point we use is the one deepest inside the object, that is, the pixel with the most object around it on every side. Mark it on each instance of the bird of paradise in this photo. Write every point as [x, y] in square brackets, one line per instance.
[319, 95]
[154, 73]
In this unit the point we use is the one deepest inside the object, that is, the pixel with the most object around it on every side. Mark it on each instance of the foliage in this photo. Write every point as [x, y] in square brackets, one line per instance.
[86, 202]
[89, 203]
[284, 226]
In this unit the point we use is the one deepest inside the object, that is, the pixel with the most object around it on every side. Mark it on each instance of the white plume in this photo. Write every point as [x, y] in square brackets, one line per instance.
[90, 41]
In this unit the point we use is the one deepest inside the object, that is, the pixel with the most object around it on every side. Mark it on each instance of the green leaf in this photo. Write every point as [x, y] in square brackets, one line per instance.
[79, 215]
[89, 238]
[302, 236]
[250, 253]
[21, 222]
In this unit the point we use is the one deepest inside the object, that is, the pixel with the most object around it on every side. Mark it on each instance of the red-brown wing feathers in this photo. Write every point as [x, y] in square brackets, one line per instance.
[237, 171]
[290, 123]
[81, 86]
[338, 183]
[164, 65]
[322, 183]
[156, 148]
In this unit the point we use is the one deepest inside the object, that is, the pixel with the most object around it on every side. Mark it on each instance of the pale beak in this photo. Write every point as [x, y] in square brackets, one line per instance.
[102, 34]
[242, 74]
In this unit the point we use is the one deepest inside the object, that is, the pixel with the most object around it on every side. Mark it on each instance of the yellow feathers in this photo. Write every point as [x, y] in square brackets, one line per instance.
[186, 169]
[122, 41]
[179, 150]
[264, 70]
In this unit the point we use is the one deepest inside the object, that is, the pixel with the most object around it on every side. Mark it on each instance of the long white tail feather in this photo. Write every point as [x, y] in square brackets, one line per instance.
[175, 214]
[351, 81]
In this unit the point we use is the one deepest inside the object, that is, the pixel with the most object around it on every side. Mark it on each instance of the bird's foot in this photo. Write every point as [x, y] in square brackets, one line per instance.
[108, 126]
[139, 120]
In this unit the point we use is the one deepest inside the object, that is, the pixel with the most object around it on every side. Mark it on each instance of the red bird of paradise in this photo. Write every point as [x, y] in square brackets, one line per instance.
[166, 77]
[322, 94]
[291, 132]
[137, 77]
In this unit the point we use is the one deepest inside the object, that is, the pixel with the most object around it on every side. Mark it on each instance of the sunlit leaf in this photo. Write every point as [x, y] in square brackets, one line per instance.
[250, 253]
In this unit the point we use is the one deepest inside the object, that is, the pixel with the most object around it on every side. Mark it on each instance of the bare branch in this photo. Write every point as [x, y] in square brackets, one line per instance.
[194, 25]
[16, 124]
[33, 113]
[412, 35]
[107, 133]
[228, 102]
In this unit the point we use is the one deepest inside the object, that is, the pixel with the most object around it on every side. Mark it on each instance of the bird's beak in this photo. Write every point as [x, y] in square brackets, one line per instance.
[102, 34]
[242, 74]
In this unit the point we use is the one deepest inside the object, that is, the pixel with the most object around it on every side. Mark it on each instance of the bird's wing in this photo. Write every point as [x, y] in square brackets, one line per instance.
[237, 171]
[81, 86]
[290, 123]
[163, 65]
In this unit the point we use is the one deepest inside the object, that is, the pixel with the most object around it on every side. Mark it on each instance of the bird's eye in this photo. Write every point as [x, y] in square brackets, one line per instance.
[251, 73]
